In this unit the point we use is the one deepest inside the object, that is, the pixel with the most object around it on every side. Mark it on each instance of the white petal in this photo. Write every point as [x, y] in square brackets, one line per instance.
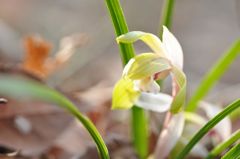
[159, 102]
[169, 136]
[223, 128]
[199, 151]
[173, 49]
[128, 66]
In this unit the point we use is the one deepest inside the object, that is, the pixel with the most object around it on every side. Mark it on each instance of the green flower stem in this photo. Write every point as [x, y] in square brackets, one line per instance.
[205, 129]
[210, 79]
[233, 153]
[120, 25]
[19, 88]
[167, 15]
[140, 134]
[139, 121]
[224, 145]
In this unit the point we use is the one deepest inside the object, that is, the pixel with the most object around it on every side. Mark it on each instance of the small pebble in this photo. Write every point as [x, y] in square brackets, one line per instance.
[7, 152]
[3, 101]
[23, 125]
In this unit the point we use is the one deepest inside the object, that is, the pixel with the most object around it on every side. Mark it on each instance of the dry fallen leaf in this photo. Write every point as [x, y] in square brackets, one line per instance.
[37, 60]
[37, 52]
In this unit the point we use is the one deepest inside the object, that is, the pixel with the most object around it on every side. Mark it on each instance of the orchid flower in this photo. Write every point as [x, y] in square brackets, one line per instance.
[176, 134]
[169, 136]
[224, 128]
[192, 123]
[222, 131]
[138, 84]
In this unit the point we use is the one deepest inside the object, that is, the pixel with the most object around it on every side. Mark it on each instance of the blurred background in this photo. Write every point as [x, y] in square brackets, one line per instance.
[205, 29]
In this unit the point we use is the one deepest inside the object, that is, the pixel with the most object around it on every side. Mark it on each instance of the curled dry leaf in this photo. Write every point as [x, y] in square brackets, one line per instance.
[33, 126]
[37, 51]
[68, 45]
[37, 60]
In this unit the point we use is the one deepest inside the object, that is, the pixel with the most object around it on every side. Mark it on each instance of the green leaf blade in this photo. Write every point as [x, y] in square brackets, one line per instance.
[224, 145]
[211, 78]
[233, 153]
[21, 88]
[205, 129]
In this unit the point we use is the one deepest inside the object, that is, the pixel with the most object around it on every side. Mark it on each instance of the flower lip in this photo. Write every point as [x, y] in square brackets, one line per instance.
[158, 102]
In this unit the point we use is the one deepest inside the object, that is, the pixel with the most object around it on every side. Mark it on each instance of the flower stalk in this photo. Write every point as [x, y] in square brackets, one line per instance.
[139, 121]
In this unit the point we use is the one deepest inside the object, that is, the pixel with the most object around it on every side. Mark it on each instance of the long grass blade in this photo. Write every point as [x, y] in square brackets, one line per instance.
[211, 78]
[224, 145]
[233, 153]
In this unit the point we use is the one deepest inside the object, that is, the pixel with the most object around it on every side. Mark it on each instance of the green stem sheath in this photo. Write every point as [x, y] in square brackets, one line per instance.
[205, 129]
[139, 121]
